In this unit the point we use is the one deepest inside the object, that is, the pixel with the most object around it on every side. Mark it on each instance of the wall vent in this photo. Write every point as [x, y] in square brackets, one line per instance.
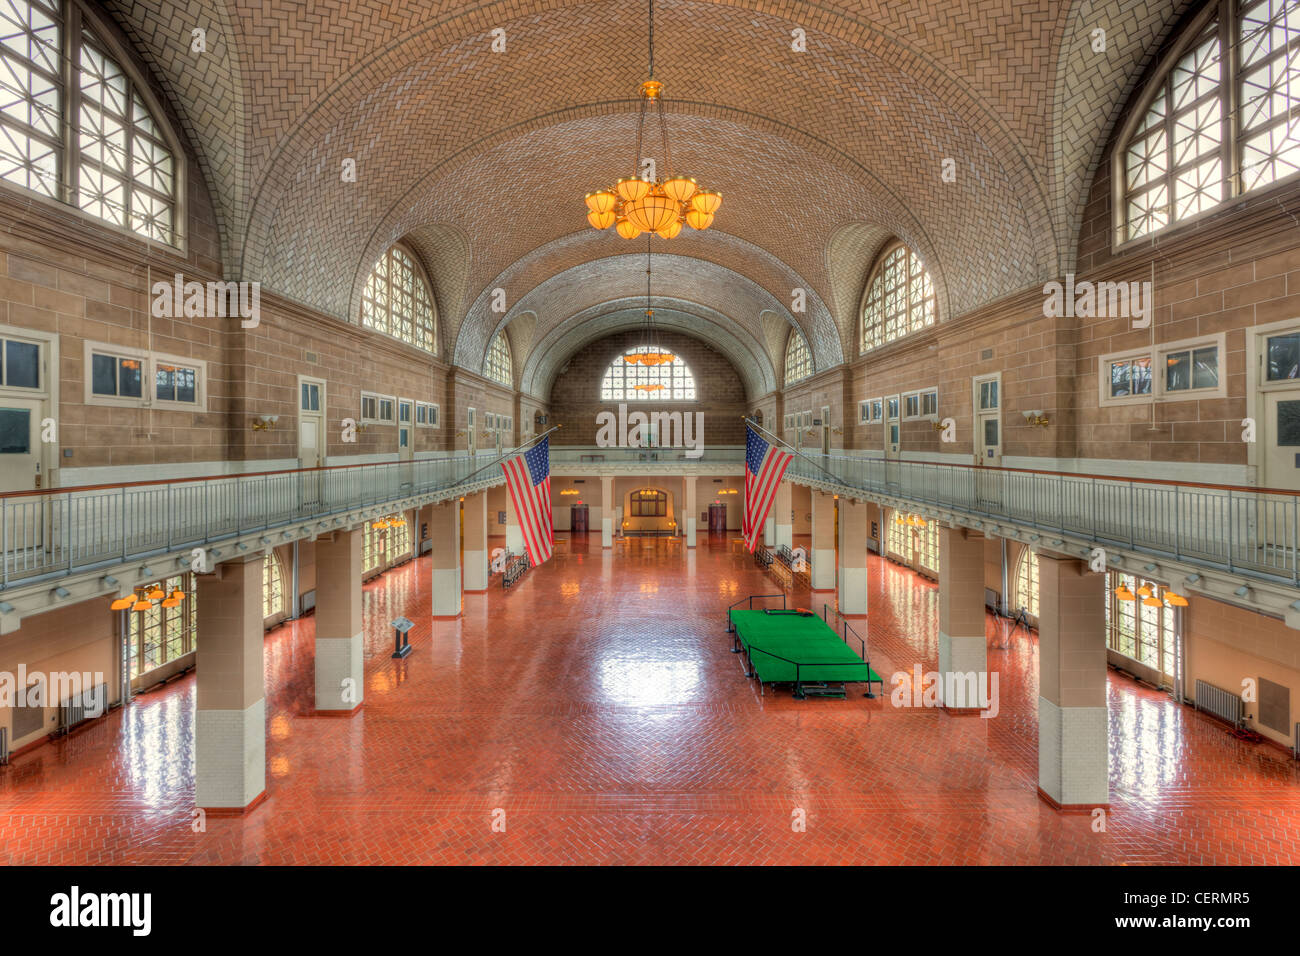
[1274, 706]
[986, 355]
[313, 358]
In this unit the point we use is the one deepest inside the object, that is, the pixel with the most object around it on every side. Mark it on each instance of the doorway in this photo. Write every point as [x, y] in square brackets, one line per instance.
[826, 429]
[986, 394]
[471, 426]
[311, 437]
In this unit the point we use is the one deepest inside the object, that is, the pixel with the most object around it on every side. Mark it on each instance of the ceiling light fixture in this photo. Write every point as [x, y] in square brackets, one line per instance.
[642, 202]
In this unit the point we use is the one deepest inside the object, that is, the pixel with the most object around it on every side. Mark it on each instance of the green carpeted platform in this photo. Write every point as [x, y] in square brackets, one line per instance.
[809, 641]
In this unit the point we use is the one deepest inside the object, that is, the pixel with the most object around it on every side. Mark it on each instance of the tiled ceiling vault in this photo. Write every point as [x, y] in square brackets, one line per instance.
[480, 159]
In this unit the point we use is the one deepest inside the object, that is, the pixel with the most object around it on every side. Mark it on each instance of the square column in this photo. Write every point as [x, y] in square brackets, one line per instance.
[607, 512]
[690, 518]
[444, 527]
[476, 542]
[823, 541]
[514, 535]
[230, 706]
[783, 514]
[340, 673]
[1073, 737]
[963, 648]
[853, 557]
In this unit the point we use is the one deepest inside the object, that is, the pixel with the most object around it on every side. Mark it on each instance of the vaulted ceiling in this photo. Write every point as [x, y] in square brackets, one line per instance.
[480, 159]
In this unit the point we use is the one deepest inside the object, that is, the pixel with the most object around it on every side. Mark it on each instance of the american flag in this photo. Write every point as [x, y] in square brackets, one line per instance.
[528, 478]
[764, 468]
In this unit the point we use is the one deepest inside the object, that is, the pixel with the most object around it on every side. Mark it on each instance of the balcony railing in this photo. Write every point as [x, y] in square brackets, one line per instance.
[60, 531]
[1240, 530]
[662, 455]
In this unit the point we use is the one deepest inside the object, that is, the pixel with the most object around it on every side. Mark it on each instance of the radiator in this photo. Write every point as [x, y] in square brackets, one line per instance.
[4, 746]
[1221, 703]
[82, 707]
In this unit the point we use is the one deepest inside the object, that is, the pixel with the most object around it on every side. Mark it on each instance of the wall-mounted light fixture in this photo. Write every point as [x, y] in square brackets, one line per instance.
[264, 423]
[1035, 417]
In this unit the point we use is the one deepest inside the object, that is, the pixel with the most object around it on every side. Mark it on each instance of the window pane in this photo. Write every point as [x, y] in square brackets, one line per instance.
[22, 365]
[165, 387]
[1288, 424]
[1205, 368]
[1178, 371]
[1121, 379]
[130, 378]
[15, 431]
[1284, 357]
[103, 374]
[185, 391]
[990, 431]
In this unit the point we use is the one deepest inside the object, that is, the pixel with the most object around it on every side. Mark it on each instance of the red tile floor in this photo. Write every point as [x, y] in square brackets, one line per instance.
[597, 704]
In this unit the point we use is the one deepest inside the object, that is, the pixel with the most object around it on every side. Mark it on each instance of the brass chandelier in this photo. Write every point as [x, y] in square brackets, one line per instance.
[637, 204]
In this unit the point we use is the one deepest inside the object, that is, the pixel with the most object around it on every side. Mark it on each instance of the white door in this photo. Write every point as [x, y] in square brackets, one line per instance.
[405, 429]
[20, 470]
[471, 429]
[826, 429]
[987, 396]
[311, 437]
[893, 428]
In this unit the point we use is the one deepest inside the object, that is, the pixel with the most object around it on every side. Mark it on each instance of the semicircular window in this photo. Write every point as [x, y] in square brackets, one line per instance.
[626, 381]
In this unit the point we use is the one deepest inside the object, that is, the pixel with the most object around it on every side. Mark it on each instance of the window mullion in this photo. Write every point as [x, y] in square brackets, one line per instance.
[71, 71]
[1229, 90]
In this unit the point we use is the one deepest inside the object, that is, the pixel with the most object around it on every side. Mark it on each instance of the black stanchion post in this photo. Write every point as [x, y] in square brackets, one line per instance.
[402, 644]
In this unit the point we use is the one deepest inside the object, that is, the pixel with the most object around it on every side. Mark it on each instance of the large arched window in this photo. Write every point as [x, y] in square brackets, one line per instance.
[272, 586]
[634, 382]
[1187, 150]
[96, 142]
[900, 298]
[798, 362]
[498, 360]
[397, 301]
[1027, 583]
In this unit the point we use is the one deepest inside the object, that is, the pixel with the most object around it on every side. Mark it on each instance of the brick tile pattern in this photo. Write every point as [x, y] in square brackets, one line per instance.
[610, 742]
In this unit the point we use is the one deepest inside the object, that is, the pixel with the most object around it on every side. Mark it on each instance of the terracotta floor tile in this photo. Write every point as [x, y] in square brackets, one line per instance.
[598, 705]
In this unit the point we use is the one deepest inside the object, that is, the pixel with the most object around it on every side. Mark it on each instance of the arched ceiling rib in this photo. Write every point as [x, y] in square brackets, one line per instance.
[713, 260]
[723, 296]
[580, 329]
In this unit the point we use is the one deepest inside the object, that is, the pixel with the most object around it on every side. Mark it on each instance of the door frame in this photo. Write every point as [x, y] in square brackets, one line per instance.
[471, 426]
[826, 430]
[1257, 389]
[895, 452]
[321, 445]
[47, 457]
[409, 452]
[977, 433]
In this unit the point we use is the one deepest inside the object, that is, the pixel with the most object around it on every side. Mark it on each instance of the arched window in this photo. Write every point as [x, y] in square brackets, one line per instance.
[1187, 150]
[900, 298]
[498, 360]
[634, 382]
[397, 301]
[161, 633]
[272, 586]
[798, 362]
[1026, 590]
[96, 142]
